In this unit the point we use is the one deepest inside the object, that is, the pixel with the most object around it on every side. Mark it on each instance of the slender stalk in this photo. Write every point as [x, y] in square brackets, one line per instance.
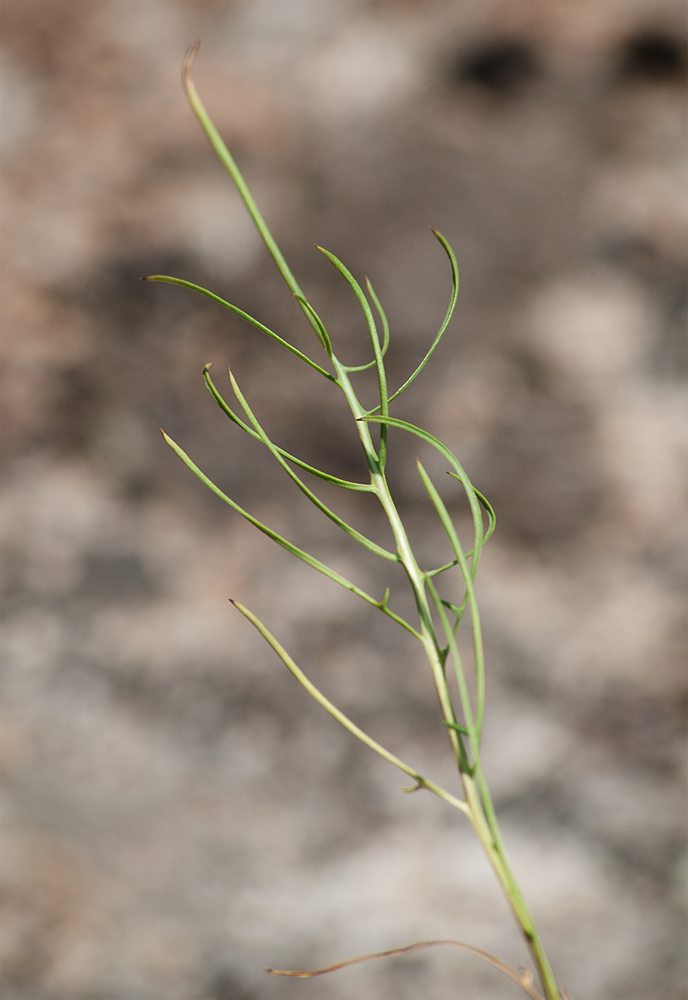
[407, 559]
[492, 844]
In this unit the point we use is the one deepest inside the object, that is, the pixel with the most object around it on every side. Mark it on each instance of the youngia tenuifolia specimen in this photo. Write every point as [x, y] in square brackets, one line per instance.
[463, 721]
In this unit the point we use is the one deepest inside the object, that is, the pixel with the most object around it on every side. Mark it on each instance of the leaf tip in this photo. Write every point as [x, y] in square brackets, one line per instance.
[189, 61]
[419, 783]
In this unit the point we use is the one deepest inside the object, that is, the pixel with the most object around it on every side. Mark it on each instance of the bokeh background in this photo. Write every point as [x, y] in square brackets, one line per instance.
[177, 813]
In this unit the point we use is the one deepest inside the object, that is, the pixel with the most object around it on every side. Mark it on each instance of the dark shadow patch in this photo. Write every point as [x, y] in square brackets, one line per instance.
[502, 67]
[654, 56]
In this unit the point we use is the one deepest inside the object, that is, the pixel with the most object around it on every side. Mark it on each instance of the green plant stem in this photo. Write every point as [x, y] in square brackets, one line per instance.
[486, 826]
[406, 558]
[464, 733]
[490, 838]
[487, 830]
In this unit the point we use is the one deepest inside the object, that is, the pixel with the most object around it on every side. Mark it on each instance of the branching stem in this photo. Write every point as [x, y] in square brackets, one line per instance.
[462, 723]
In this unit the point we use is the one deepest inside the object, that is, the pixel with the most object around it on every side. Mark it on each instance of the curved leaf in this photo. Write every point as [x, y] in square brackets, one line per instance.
[243, 315]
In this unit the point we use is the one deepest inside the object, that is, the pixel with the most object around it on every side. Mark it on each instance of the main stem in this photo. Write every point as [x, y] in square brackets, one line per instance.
[490, 837]
[482, 814]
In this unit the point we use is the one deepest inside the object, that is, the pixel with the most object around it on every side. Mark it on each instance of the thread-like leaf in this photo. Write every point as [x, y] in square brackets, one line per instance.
[343, 719]
[244, 315]
[289, 546]
[475, 500]
[445, 322]
[318, 323]
[383, 317]
[227, 410]
[487, 507]
[458, 611]
[352, 532]
[469, 718]
[229, 164]
[385, 330]
[468, 575]
[377, 349]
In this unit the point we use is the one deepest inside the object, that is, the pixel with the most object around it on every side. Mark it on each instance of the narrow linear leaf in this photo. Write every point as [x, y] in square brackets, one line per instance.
[487, 507]
[359, 293]
[319, 325]
[458, 728]
[244, 315]
[343, 719]
[491, 525]
[289, 546]
[468, 575]
[443, 569]
[458, 611]
[377, 350]
[471, 493]
[352, 532]
[232, 169]
[385, 330]
[353, 369]
[383, 317]
[465, 765]
[227, 410]
[445, 322]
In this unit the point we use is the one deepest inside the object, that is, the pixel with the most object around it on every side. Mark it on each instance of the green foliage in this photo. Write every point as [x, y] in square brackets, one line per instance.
[438, 618]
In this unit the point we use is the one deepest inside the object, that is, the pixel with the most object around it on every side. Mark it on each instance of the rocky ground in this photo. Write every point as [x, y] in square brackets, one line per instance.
[177, 813]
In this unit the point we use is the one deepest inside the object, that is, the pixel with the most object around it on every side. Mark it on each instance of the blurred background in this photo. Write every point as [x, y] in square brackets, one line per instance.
[177, 813]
